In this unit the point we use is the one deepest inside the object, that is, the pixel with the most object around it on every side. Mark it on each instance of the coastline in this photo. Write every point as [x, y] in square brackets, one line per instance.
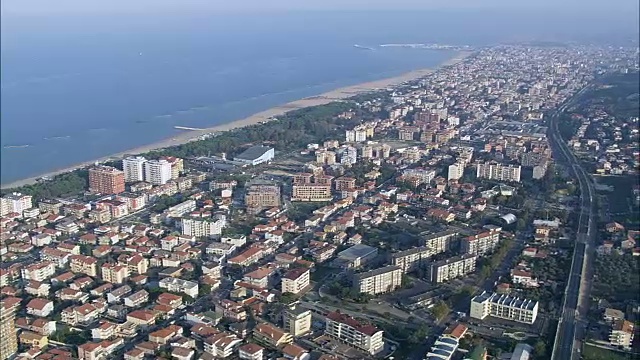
[192, 135]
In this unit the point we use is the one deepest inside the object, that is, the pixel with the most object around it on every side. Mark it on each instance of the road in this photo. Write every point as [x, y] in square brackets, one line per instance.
[572, 323]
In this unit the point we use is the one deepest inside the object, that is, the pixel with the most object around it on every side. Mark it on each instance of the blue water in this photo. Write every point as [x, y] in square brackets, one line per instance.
[76, 89]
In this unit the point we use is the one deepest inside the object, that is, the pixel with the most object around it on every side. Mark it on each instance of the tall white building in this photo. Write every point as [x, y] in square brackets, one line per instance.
[356, 135]
[455, 171]
[349, 156]
[157, 172]
[133, 168]
[378, 281]
[202, 226]
[498, 172]
[15, 203]
[349, 330]
[503, 307]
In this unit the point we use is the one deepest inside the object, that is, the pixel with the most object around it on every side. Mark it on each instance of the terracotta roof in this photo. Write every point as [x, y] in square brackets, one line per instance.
[38, 303]
[251, 348]
[348, 320]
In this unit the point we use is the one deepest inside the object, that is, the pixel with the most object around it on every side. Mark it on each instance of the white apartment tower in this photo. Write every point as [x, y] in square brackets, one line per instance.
[498, 172]
[157, 172]
[455, 171]
[133, 168]
[15, 202]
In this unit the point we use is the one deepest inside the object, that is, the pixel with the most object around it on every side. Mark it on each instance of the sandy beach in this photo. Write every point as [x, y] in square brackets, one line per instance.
[190, 135]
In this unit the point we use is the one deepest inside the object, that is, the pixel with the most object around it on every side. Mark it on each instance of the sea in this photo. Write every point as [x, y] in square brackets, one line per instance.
[77, 88]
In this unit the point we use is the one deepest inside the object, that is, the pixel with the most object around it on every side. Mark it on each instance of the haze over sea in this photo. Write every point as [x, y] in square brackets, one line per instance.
[78, 88]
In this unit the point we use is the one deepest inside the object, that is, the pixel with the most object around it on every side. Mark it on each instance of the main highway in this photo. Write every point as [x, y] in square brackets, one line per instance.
[571, 325]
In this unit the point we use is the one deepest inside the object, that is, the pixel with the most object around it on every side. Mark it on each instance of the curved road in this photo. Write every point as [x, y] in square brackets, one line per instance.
[572, 324]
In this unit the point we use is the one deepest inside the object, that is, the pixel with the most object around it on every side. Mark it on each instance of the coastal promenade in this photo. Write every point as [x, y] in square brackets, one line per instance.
[266, 115]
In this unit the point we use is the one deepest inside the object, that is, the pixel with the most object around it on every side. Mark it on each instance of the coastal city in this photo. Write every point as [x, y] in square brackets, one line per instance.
[488, 210]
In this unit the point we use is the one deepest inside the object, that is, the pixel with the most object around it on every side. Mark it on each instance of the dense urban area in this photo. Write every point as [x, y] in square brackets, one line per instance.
[489, 209]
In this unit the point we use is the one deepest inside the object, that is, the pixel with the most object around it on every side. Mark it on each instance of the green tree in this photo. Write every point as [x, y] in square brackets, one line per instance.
[440, 310]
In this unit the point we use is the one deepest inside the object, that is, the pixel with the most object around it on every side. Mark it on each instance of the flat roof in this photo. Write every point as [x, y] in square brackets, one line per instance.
[357, 251]
[253, 152]
[377, 271]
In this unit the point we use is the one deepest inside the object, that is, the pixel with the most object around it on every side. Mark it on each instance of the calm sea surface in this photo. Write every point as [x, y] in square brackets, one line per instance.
[76, 89]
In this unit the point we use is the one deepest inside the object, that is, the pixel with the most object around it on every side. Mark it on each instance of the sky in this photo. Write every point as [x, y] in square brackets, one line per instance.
[84, 7]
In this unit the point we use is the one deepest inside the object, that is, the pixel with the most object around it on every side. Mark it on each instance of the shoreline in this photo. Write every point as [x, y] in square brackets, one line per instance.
[262, 116]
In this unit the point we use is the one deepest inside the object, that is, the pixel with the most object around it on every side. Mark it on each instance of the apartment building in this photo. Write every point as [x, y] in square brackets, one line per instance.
[247, 257]
[221, 345]
[262, 196]
[501, 172]
[157, 172]
[378, 281]
[39, 272]
[114, 273]
[481, 244]
[177, 165]
[251, 351]
[196, 226]
[439, 242]
[455, 171]
[136, 299]
[503, 306]
[358, 134]
[271, 335]
[106, 180]
[302, 178]
[84, 265]
[311, 192]
[83, 314]
[133, 168]
[411, 259]
[8, 333]
[181, 286]
[344, 328]
[15, 203]
[295, 280]
[344, 183]
[297, 321]
[621, 334]
[451, 268]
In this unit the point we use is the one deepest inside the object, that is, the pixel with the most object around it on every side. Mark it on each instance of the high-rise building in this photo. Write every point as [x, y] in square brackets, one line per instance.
[177, 165]
[378, 281]
[106, 180]
[261, 196]
[412, 259]
[359, 134]
[365, 337]
[497, 171]
[503, 307]
[295, 280]
[441, 241]
[455, 171]
[451, 268]
[133, 168]
[349, 156]
[157, 172]
[15, 203]
[297, 321]
[481, 244]
[195, 226]
[8, 333]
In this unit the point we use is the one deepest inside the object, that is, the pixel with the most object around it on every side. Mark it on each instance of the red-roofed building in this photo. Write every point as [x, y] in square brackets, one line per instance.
[349, 330]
